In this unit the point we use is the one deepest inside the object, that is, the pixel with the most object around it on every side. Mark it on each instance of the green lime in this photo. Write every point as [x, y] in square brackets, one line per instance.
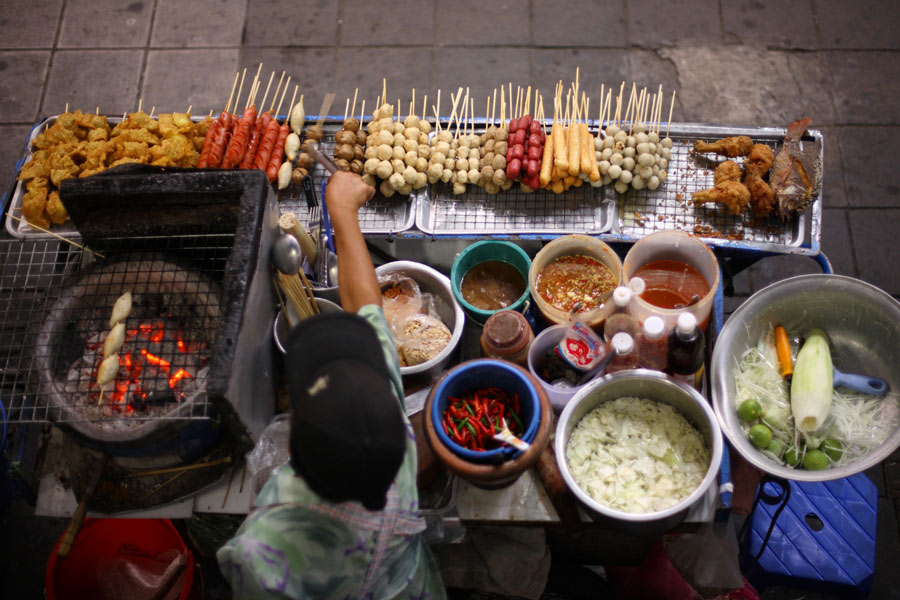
[760, 436]
[749, 410]
[832, 448]
[792, 456]
[775, 447]
[815, 460]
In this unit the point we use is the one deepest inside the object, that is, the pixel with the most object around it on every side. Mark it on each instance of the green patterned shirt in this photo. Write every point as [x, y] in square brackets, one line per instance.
[297, 545]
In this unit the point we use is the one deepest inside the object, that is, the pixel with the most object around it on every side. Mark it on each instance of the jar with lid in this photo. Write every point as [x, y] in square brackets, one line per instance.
[507, 336]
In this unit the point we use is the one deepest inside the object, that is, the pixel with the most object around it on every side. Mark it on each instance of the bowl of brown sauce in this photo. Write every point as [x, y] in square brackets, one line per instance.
[490, 276]
[575, 273]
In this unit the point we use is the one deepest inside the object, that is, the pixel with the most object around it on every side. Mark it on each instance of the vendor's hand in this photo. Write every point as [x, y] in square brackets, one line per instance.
[345, 194]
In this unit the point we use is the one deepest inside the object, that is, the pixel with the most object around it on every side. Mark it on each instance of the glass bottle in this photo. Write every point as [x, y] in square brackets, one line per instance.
[621, 320]
[653, 344]
[687, 350]
[626, 353]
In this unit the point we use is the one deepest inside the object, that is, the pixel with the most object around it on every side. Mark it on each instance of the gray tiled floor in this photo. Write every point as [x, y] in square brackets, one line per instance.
[737, 62]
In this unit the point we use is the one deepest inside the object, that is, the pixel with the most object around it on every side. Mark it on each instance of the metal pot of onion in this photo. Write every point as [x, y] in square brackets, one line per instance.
[628, 511]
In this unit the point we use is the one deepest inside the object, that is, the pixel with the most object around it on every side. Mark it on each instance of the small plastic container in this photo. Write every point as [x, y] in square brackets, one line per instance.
[621, 320]
[545, 341]
[653, 344]
[569, 245]
[626, 354]
[679, 246]
[507, 336]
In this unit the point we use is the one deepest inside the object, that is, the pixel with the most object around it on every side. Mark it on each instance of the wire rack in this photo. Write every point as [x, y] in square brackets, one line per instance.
[55, 304]
[643, 212]
[380, 216]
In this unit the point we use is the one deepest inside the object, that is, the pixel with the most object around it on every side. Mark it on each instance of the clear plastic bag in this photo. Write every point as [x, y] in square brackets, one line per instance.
[270, 451]
[416, 327]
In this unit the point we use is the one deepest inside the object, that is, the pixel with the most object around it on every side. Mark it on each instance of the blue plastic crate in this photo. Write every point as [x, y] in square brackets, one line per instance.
[837, 558]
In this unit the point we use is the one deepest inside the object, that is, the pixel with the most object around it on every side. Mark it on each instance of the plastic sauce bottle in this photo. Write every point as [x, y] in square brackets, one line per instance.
[653, 344]
[621, 321]
[687, 350]
[626, 353]
[507, 336]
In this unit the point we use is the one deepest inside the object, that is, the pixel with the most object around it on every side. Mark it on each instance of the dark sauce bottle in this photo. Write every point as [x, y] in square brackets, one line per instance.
[686, 351]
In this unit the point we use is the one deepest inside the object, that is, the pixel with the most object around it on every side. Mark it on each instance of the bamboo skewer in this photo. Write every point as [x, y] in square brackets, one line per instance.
[671, 106]
[57, 236]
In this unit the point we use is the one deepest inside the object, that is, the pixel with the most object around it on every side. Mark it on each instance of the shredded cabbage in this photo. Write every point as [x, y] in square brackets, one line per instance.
[637, 455]
[859, 421]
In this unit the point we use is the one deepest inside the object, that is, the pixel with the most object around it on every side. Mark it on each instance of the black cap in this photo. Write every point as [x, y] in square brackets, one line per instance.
[347, 433]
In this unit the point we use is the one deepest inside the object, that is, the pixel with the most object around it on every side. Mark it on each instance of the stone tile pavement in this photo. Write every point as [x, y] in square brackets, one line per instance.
[733, 62]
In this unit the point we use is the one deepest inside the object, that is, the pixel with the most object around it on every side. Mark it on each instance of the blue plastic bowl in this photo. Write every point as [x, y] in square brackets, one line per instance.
[481, 373]
[483, 251]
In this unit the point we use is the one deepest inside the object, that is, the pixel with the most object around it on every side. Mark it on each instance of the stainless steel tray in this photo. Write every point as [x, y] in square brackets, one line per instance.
[380, 216]
[640, 213]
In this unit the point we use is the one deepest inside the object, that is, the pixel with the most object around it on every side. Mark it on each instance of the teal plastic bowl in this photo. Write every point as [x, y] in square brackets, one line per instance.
[483, 251]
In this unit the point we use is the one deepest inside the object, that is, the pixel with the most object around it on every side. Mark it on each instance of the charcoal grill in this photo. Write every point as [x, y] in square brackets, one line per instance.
[191, 246]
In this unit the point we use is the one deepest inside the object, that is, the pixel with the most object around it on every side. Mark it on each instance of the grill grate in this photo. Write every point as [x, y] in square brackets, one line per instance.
[38, 274]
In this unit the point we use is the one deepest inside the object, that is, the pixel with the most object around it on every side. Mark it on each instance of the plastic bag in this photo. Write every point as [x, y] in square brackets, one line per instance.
[707, 559]
[270, 451]
[416, 327]
[137, 574]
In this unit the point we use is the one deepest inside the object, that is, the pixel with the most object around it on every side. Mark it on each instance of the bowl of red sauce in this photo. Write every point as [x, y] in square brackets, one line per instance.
[575, 270]
[680, 273]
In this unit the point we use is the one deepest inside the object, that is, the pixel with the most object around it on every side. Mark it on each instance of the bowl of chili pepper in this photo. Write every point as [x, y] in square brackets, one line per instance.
[470, 405]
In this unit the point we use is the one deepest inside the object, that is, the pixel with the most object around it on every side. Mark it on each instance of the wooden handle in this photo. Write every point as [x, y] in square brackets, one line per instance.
[783, 348]
[65, 545]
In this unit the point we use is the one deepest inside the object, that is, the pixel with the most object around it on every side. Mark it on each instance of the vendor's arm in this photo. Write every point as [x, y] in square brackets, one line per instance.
[344, 196]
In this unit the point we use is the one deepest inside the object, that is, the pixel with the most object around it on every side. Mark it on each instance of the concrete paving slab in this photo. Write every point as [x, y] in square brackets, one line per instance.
[29, 23]
[770, 87]
[89, 79]
[836, 244]
[653, 24]
[497, 67]
[603, 24]
[775, 268]
[105, 24]
[279, 24]
[469, 22]
[176, 79]
[21, 82]
[861, 148]
[887, 552]
[860, 82]
[858, 24]
[404, 68]
[647, 68]
[391, 22]
[833, 184]
[198, 23]
[877, 253]
[310, 68]
[732, 303]
[598, 66]
[774, 25]
[13, 142]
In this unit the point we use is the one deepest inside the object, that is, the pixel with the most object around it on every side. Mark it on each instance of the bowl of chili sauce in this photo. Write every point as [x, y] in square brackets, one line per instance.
[468, 405]
[575, 272]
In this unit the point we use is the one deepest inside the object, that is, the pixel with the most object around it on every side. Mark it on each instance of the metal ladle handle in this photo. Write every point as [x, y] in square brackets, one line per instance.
[312, 148]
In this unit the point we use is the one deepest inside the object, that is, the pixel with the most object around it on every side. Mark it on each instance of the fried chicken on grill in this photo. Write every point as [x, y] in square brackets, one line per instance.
[733, 194]
[731, 146]
[759, 160]
[728, 171]
[762, 198]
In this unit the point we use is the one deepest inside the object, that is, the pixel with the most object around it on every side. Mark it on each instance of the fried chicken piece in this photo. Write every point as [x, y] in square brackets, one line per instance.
[728, 171]
[34, 202]
[760, 159]
[731, 146]
[762, 198]
[733, 194]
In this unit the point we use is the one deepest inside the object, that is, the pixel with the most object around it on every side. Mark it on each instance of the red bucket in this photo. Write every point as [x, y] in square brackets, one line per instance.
[107, 550]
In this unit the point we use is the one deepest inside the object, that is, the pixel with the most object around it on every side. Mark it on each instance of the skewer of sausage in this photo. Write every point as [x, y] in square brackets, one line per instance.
[270, 136]
[213, 132]
[259, 128]
[217, 151]
[238, 144]
[278, 150]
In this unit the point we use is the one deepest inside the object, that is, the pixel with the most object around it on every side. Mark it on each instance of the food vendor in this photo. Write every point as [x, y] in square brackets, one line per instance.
[340, 520]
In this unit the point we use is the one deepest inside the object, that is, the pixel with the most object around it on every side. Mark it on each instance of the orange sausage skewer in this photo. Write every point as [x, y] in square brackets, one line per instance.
[213, 131]
[256, 132]
[239, 141]
[270, 136]
[278, 150]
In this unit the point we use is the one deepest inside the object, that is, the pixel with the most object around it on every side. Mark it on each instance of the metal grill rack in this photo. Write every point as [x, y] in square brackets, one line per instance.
[582, 209]
[34, 274]
[380, 216]
[641, 213]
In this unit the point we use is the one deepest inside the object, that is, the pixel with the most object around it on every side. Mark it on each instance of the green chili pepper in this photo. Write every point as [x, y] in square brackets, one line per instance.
[517, 419]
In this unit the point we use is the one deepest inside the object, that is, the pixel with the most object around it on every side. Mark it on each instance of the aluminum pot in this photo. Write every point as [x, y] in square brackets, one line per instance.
[656, 386]
[863, 327]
